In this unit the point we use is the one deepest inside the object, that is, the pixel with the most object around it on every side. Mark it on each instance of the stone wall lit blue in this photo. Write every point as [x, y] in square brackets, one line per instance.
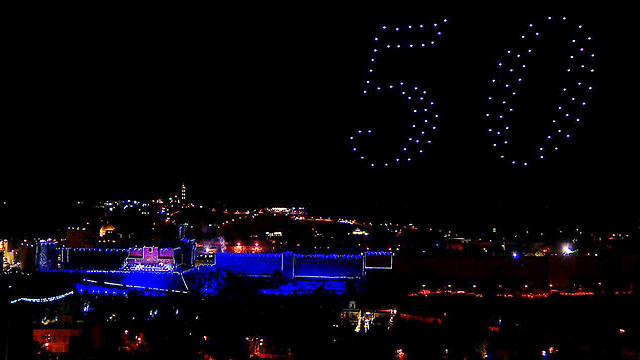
[328, 266]
[251, 264]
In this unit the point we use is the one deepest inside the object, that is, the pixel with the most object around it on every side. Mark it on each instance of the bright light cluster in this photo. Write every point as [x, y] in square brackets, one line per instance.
[566, 250]
[574, 95]
[422, 106]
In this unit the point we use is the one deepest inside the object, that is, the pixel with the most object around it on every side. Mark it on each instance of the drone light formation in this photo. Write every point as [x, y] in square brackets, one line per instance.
[508, 79]
[423, 107]
[574, 96]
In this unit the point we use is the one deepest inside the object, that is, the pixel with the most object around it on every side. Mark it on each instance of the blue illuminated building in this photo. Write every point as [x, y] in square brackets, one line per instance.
[148, 271]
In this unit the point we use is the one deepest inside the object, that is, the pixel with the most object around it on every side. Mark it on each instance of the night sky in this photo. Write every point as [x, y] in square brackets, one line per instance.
[257, 109]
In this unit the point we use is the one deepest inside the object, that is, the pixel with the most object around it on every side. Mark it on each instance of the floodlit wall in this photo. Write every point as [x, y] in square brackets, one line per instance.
[250, 264]
[328, 266]
[292, 265]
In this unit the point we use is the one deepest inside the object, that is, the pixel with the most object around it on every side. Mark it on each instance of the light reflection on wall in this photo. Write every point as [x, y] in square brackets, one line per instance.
[242, 249]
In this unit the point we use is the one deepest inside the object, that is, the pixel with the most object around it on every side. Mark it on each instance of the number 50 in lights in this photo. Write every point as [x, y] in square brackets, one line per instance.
[501, 104]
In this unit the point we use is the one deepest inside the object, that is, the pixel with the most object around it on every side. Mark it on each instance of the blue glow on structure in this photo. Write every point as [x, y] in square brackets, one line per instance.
[207, 279]
[297, 265]
[308, 287]
[93, 287]
[121, 282]
[327, 266]
[251, 264]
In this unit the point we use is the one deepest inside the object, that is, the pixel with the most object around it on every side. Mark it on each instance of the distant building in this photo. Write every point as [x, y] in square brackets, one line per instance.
[6, 255]
[457, 244]
[55, 340]
[106, 230]
[80, 237]
[150, 259]
[46, 256]
[108, 236]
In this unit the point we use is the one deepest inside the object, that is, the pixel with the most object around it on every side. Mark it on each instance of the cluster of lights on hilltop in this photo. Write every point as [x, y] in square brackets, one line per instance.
[423, 107]
[111, 205]
[575, 94]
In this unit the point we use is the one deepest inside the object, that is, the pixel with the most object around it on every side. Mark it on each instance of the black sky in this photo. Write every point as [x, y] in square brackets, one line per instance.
[256, 108]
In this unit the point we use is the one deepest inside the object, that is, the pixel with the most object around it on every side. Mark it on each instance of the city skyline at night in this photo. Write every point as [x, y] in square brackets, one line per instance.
[334, 183]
